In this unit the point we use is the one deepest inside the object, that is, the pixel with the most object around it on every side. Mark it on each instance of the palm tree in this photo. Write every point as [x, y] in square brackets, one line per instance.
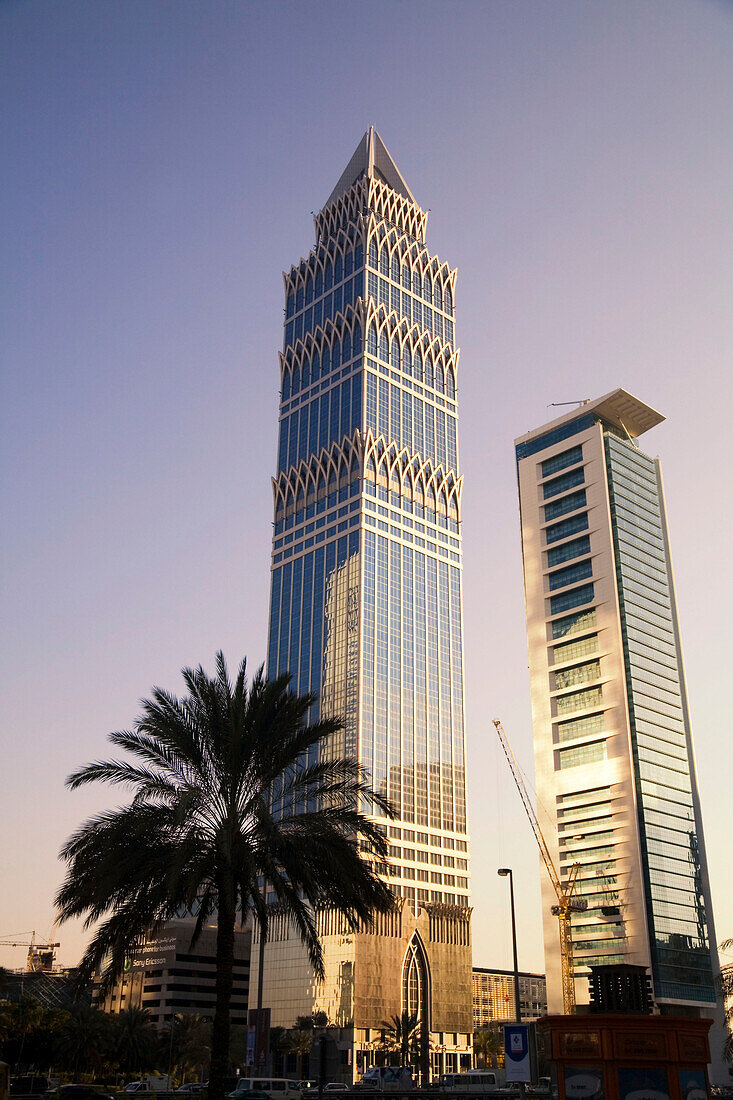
[726, 988]
[299, 1042]
[402, 1033]
[135, 1041]
[85, 1040]
[223, 799]
[187, 1043]
[487, 1045]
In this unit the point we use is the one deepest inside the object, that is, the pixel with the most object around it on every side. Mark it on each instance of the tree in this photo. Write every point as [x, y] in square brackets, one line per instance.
[29, 1033]
[135, 1041]
[187, 1044]
[225, 794]
[402, 1033]
[299, 1042]
[726, 985]
[487, 1045]
[85, 1040]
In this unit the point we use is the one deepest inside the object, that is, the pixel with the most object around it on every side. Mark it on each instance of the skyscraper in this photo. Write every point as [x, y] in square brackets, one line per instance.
[614, 763]
[366, 595]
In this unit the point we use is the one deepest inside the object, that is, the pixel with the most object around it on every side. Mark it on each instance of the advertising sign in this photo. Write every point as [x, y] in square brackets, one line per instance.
[583, 1082]
[259, 1022]
[517, 1060]
[250, 1056]
[152, 955]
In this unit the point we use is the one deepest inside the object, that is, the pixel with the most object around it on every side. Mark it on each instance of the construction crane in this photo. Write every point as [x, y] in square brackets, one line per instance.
[38, 961]
[567, 902]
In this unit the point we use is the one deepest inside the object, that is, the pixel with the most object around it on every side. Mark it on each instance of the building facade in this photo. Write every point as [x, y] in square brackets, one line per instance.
[167, 976]
[614, 764]
[493, 997]
[366, 594]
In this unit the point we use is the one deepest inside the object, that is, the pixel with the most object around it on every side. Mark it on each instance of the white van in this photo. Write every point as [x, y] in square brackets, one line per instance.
[278, 1088]
[473, 1081]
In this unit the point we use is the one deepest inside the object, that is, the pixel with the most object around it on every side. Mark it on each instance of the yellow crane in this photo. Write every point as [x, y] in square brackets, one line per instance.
[41, 956]
[567, 902]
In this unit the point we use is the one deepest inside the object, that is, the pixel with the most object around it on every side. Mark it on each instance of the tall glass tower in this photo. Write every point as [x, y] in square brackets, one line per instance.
[366, 593]
[614, 760]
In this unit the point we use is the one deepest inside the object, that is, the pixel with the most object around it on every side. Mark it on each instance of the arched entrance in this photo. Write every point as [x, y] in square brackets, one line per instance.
[416, 997]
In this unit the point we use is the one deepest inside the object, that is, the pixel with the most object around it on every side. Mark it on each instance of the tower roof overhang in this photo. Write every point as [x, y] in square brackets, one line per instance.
[619, 408]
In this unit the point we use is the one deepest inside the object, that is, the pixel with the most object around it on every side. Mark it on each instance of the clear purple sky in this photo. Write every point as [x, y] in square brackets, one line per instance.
[160, 163]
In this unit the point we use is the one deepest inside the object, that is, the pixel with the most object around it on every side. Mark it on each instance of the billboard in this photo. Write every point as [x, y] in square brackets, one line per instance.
[154, 954]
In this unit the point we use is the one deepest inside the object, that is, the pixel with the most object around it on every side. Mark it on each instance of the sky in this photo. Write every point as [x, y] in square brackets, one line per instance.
[160, 164]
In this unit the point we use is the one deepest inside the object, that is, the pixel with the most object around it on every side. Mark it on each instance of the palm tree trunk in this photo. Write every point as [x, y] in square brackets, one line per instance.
[260, 981]
[224, 980]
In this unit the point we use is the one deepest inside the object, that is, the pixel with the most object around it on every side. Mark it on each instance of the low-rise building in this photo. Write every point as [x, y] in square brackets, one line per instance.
[493, 996]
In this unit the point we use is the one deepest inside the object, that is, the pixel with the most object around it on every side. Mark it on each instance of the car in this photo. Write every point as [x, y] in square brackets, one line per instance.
[30, 1085]
[271, 1088]
[79, 1092]
[190, 1088]
[336, 1086]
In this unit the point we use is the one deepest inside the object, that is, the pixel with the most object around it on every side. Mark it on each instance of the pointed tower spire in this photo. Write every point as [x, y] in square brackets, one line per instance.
[372, 159]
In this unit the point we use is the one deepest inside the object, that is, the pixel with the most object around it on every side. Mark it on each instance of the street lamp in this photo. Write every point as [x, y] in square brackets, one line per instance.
[504, 871]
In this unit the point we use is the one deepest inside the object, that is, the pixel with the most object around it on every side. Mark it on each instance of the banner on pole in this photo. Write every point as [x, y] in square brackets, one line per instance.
[517, 1054]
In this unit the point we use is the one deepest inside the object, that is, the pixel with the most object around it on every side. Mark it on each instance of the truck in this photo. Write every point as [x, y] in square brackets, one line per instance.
[150, 1082]
[387, 1079]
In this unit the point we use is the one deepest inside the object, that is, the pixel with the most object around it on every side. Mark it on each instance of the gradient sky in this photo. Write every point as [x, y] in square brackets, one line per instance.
[161, 161]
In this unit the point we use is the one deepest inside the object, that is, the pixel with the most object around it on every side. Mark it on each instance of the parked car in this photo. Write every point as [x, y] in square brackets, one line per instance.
[274, 1088]
[192, 1087]
[30, 1085]
[79, 1092]
[335, 1086]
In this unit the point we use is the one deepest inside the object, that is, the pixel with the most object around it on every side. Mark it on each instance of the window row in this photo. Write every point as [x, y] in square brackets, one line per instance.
[574, 624]
[324, 420]
[327, 274]
[574, 598]
[569, 503]
[574, 649]
[567, 527]
[561, 578]
[326, 309]
[408, 308]
[562, 461]
[569, 550]
[421, 284]
[555, 435]
[583, 754]
[579, 674]
[407, 421]
[424, 364]
[324, 360]
[580, 700]
[580, 727]
[562, 484]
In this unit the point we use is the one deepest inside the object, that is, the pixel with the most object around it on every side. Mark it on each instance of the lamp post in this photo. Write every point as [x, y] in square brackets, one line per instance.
[504, 871]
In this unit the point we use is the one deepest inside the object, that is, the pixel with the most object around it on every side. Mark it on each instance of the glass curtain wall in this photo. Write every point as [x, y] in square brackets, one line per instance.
[659, 728]
[366, 594]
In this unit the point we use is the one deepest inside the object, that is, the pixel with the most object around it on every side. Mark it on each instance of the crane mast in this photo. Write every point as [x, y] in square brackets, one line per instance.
[567, 902]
